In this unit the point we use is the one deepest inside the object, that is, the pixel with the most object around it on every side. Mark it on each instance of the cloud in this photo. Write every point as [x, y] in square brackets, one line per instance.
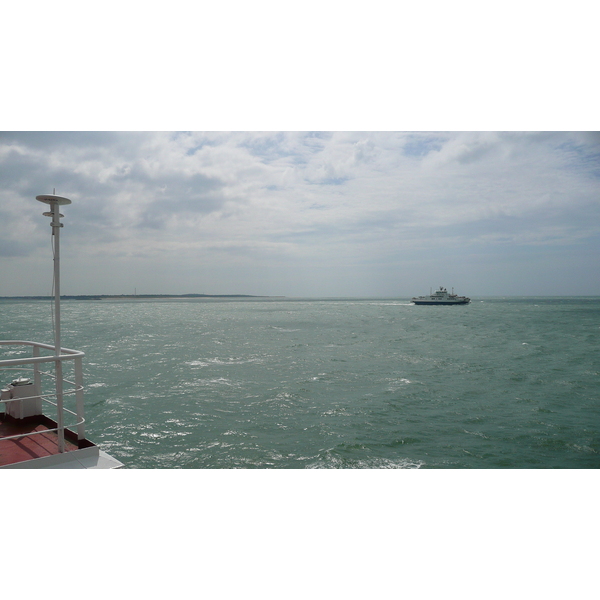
[277, 199]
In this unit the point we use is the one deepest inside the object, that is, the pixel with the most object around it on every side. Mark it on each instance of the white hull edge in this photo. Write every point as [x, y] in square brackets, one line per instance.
[85, 458]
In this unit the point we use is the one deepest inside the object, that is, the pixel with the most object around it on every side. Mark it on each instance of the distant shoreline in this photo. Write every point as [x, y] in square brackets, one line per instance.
[134, 296]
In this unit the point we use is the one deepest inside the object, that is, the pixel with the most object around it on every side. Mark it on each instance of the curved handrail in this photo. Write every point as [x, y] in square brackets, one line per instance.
[76, 388]
[65, 354]
[69, 354]
[40, 344]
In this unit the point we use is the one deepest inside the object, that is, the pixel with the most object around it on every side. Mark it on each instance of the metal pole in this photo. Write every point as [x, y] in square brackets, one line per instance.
[56, 234]
[37, 378]
[56, 225]
[55, 202]
[79, 397]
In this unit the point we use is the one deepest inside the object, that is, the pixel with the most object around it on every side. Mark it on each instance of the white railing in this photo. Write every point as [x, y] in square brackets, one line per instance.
[36, 360]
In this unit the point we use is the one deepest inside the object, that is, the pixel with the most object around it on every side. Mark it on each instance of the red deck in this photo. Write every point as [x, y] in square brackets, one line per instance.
[35, 446]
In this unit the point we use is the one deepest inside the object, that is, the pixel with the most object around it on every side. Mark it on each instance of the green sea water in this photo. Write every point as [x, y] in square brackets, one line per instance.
[502, 383]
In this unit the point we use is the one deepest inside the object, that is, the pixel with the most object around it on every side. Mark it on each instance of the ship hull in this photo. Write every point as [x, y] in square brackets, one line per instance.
[439, 302]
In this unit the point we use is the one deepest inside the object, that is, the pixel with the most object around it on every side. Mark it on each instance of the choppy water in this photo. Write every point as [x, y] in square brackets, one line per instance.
[325, 383]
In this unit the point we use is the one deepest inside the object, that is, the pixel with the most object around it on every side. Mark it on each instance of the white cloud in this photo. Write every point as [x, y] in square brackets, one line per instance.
[340, 203]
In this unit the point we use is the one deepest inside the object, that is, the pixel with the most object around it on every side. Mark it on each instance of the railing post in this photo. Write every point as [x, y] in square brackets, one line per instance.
[60, 419]
[79, 397]
[37, 378]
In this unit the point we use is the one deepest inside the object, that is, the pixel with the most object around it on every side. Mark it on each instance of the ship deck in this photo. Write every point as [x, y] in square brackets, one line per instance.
[40, 445]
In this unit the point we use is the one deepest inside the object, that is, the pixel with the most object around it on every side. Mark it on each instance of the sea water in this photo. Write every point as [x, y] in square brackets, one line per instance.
[501, 383]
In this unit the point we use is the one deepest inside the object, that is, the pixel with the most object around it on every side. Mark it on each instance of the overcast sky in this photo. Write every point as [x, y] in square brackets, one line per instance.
[303, 214]
[387, 211]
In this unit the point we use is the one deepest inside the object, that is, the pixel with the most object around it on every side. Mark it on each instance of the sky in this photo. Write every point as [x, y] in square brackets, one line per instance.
[306, 150]
[303, 214]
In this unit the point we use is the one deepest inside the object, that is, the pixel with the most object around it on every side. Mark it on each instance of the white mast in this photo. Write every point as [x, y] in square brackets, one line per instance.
[54, 202]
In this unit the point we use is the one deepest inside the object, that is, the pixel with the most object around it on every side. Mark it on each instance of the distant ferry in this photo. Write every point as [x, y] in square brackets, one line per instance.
[442, 297]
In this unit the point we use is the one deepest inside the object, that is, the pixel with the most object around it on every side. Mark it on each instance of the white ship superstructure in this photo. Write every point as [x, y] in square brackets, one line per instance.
[441, 297]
